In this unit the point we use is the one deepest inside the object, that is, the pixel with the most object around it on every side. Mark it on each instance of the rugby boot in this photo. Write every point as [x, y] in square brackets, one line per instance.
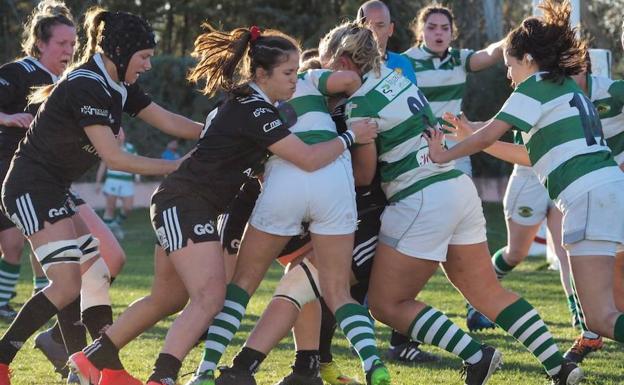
[378, 374]
[570, 374]
[409, 353]
[233, 376]
[476, 321]
[87, 373]
[299, 379]
[55, 352]
[203, 378]
[118, 377]
[5, 375]
[480, 373]
[331, 374]
[582, 347]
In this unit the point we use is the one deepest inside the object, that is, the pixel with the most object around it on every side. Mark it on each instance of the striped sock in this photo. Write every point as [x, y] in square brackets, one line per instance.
[576, 320]
[521, 320]
[501, 267]
[224, 326]
[39, 283]
[356, 325]
[618, 333]
[9, 274]
[431, 326]
[578, 310]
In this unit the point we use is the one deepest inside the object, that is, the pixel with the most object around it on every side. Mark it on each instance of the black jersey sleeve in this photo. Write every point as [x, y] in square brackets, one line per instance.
[11, 82]
[89, 101]
[262, 123]
[137, 100]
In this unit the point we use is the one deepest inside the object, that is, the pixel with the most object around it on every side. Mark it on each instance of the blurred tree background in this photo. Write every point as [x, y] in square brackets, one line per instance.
[479, 22]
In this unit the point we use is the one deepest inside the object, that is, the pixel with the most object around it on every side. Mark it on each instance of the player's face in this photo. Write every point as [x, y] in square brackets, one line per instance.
[57, 53]
[378, 20]
[437, 33]
[139, 63]
[280, 84]
[518, 70]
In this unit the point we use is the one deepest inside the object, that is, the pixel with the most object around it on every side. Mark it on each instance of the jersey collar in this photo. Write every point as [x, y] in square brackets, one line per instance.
[259, 91]
[40, 65]
[113, 84]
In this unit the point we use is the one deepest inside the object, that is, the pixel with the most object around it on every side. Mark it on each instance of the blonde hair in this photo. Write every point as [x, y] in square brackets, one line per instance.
[46, 15]
[354, 40]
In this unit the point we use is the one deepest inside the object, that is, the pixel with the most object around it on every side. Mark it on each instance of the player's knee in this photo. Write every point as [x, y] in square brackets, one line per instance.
[209, 297]
[57, 253]
[300, 285]
[95, 286]
[380, 307]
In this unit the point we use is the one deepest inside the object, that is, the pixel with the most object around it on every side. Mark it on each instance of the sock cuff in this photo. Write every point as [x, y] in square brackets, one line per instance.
[418, 316]
[500, 262]
[9, 267]
[512, 313]
[619, 329]
[237, 294]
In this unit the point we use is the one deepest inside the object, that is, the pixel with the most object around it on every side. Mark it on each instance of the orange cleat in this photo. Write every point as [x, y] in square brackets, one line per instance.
[87, 372]
[5, 374]
[118, 377]
[582, 347]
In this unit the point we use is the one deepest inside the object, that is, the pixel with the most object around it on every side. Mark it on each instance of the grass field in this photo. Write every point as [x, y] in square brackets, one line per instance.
[540, 286]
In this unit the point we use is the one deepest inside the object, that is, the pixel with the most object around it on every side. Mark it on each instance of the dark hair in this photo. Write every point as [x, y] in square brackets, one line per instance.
[46, 15]
[229, 60]
[418, 24]
[551, 42]
[311, 64]
[308, 54]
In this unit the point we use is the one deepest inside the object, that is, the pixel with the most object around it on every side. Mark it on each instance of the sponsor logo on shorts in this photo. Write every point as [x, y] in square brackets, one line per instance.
[525, 211]
[203, 229]
[272, 125]
[235, 244]
[58, 212]
[88, 110]
[162, 237]
[260, 111]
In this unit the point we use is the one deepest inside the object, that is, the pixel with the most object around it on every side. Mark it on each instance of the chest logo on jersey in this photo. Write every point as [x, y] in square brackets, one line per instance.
[392, 85]
[3, 82]
[203, 229]
[260, 111]
[271, 125]
[88, 110]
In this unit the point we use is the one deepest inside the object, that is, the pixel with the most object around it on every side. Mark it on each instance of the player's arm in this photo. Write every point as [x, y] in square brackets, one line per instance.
[170, 123]
[486, 57]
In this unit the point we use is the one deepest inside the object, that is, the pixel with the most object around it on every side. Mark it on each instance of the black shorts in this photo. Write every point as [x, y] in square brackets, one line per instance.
[366, 235]
[5, 222]
[76, 198]
[232, 225]
[31, 197]
[178, 218]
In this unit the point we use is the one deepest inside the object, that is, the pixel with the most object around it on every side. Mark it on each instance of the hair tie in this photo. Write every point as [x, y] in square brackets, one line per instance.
[255, 33]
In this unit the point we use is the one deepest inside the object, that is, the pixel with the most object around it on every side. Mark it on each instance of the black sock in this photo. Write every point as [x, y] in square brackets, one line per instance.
[248, 359]
[56, 333]
[96, 318]
[103, 354]
[328, 327]
[33, 315]
[398, 339]
[166, 369]
[358, 292]
[307, 363]
[73, 332]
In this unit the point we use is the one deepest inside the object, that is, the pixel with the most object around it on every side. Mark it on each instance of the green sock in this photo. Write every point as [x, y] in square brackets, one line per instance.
[431, 326]
[576, 320]
[224, 326]
[619, 329]
[356, 325]
[39, 283]
[9, 274]
[521, 320]
[501, 267]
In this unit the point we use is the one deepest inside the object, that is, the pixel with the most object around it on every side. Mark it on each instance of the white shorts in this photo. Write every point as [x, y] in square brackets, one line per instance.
[423, 224]
[118, 187]
[526, 200]
[463, 164]
[597, 215]
[325, 198]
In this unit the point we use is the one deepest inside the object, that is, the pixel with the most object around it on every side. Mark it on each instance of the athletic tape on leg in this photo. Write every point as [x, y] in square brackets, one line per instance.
[90, 247]
[300, 285]
[56, 252]
[95, 285]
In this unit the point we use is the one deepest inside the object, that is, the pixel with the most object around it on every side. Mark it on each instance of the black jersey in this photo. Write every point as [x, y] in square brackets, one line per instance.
[233, 148]
[16, 81]
[86, 96]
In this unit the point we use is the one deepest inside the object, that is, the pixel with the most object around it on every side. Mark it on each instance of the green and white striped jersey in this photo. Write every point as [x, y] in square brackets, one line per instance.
[607, 95]
[561, 131]
[402, 113]
[122, 175]
[313, 121]
[442, 81]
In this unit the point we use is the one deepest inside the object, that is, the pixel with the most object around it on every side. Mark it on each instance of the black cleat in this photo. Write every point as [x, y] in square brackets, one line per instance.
[480, 373]
[570, 374]
[409, 353]
[299, 379]
[233, 376]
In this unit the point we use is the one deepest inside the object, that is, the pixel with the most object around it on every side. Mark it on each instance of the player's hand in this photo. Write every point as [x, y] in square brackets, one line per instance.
[460, 128]
[435, 140]
[365, 130]
[21, 120]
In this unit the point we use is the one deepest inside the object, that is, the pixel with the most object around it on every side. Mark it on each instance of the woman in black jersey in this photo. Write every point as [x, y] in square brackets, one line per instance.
[48, 43]
[74, 127]
[256, 70]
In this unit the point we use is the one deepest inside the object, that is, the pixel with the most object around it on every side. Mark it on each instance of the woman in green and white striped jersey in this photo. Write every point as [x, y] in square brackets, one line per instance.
[441, 70]
[565, 145]
[434, 217]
